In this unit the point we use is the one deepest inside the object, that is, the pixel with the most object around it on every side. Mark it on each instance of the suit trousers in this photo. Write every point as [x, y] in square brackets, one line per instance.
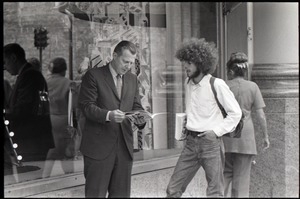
[199, 151]
[237, 172]
[111, 176]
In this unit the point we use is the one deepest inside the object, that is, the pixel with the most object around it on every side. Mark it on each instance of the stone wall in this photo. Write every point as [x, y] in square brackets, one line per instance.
[276, 172]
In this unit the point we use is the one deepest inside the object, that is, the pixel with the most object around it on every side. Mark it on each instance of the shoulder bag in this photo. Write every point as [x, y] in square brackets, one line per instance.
[238, 130]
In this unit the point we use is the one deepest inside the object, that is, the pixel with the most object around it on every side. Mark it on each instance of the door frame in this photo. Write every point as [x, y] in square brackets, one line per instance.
[222, 43]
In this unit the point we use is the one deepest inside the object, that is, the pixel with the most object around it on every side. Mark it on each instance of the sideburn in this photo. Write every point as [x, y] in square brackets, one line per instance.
[196, 74]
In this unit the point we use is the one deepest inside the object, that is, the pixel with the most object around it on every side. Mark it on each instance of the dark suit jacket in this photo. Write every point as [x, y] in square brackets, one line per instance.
[97, 96]
[33, 133]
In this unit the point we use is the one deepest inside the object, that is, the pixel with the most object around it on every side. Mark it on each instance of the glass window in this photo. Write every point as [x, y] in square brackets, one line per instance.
[85, 34]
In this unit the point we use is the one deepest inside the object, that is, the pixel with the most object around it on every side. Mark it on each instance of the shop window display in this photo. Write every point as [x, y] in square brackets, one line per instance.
[107, 24]
[95, 29]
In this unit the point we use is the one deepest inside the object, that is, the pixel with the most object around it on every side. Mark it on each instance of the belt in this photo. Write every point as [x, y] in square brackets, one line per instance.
[194, 133]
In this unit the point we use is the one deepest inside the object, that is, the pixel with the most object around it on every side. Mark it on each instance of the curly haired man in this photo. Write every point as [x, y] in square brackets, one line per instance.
[205, 123]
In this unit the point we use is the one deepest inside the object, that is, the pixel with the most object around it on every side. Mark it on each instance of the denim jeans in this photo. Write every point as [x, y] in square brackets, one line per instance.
[199, 152]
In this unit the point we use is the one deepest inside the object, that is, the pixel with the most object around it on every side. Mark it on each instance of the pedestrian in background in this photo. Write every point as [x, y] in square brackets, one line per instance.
[31, 124]
[58, 87]
[239, 152]
[7, 91]
[35, 63]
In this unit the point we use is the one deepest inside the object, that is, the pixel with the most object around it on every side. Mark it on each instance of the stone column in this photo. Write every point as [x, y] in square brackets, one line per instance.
[173, 70]
[181, 17]
[158, 44]
[276, 71]
[195, 19]
[186, 23]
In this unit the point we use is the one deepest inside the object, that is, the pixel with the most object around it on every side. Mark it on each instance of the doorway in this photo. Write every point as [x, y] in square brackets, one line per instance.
[237, 26]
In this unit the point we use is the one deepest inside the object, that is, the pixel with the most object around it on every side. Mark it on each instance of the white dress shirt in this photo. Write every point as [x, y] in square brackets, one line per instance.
[202, 110]
[114, 73]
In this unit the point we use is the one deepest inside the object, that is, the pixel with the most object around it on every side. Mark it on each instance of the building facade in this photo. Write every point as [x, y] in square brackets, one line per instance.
[84, 33]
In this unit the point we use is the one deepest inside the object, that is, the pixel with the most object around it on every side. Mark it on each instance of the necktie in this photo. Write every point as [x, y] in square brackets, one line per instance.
[119, 85]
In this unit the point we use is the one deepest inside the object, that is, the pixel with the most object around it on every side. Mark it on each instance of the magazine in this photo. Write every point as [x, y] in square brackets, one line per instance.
[180, 128]
[141, 114]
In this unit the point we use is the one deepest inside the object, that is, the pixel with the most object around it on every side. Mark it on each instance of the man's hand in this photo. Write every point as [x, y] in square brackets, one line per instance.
[209, 135]
[117, 116]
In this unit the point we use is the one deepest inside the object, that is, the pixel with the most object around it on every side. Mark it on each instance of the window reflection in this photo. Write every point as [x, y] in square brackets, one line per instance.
[97, 28]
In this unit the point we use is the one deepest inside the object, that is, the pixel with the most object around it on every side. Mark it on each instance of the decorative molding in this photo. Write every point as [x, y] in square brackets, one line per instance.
[277, 80]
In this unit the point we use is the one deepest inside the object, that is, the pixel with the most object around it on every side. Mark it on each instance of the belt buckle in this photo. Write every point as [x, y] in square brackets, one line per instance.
[196, 133]
[193, 133]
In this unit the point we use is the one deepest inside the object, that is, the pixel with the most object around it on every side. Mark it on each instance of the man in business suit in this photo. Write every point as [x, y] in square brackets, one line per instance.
[32, 130]
[107, 141]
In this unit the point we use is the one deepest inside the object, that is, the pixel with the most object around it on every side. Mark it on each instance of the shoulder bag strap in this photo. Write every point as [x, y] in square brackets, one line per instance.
[212, 81]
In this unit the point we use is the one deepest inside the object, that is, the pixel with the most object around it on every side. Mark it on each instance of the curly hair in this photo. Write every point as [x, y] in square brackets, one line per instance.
[199, 52]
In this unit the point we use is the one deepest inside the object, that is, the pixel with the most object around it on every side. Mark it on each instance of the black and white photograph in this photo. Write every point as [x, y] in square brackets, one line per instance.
[151, 99]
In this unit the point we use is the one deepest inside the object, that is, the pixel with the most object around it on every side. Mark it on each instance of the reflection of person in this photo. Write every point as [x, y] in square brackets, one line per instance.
[205, 123]
[107, 140]
[35, 63]
[8, 150]
[58, 86]
[7, 91]
[32, 132]
[240, 151]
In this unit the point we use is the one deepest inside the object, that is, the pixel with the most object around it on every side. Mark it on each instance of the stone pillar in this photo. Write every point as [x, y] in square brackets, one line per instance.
[182, 23]
[276, 173]
[276, 71]
[173, 70]
[195, 19]
[186, 23]
[158, 44]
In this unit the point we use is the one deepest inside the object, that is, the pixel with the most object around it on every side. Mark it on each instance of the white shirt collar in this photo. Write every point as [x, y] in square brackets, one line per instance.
[203, 80]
